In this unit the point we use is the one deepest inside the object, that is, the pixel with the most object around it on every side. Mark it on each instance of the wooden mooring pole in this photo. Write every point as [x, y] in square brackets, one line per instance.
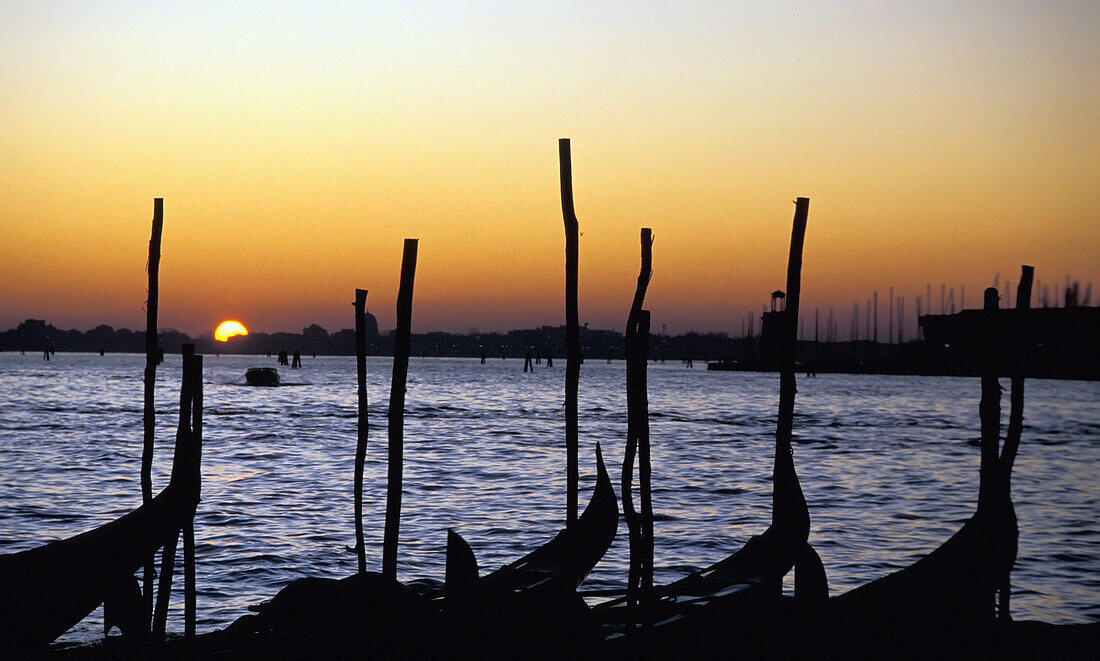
[401, 339]
[363, 426]
[189, 599]
[645, 475]
[572, 332]
[786, 491]
[639, 526]
[152, 357]
[1020, 364]
[190, 424]
[989, 407]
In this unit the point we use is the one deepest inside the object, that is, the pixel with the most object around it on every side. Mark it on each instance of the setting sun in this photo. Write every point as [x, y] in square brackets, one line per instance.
[228, 329]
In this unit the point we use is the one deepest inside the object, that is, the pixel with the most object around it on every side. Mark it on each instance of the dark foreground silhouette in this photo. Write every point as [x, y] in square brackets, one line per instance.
[529, 607]
[46, 590]
[749, 581]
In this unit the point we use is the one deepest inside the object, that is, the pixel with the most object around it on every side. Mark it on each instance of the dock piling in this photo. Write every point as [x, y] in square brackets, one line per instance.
[189, 393]
[785, 489]
[639, 526]
[401, 339]
[189, 599]
[1021, 353]
[152, 358]
[572, 331]
[363, 424]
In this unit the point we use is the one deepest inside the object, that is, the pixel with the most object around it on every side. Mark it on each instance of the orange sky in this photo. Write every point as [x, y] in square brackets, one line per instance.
[296, 148]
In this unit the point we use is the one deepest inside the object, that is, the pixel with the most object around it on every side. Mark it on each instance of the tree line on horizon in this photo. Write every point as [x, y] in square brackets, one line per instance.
[1066, 346]
[35, 335]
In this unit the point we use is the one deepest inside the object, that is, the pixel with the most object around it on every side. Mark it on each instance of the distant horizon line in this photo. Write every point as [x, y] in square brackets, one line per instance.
[805, 323]
[209, 334]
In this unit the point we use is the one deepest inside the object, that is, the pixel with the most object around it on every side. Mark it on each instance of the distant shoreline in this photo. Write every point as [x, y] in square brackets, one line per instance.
[1065, 346]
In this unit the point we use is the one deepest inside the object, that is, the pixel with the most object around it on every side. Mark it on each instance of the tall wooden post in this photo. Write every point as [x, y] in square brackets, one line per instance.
[1021, 361]
[572, 331]
[637, 441]
[788, 503]
[152, 357]
[645, 473]
[363, 426]
[989, 408]
[185, 431]
[401, 338]
[189, 605]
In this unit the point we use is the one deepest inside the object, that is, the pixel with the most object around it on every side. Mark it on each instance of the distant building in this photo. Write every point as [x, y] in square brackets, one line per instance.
[1065, 342]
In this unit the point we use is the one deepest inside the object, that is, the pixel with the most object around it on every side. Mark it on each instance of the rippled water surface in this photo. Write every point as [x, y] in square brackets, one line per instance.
[887, 464]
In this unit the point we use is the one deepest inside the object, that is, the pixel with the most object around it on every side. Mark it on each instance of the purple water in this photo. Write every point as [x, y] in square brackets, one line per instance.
[885, 461]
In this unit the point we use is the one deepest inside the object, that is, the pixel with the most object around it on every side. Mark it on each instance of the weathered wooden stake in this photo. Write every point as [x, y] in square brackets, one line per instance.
[787, 499]
[168, 553]
[989, 408]
[164, 588]
[639, 589]
[1021, 353]
[363, 427]
[152, 357]
[189, 606]
[401, 339]
[1021, 362]
[572, 332]
[645, 473]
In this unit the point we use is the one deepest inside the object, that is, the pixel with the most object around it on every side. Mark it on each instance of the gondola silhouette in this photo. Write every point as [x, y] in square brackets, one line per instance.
[368, 613]
[46, 590]
[749, 580]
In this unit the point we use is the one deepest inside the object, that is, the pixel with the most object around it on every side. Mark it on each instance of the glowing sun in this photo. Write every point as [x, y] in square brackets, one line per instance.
[228, 329]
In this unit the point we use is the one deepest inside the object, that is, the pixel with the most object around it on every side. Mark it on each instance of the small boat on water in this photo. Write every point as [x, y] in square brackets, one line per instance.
[262, 376]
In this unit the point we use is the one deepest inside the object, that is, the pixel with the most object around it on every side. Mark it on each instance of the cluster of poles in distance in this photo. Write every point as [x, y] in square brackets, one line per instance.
[865, 322]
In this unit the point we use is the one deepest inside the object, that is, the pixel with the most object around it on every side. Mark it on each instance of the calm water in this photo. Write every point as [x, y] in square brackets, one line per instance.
[886, 463]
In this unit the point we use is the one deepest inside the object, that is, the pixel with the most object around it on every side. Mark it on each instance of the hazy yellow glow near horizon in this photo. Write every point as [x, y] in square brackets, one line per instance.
[228, 329]
[297, 144]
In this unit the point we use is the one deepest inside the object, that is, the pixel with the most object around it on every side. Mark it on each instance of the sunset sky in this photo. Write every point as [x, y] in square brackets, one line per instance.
[297, 144]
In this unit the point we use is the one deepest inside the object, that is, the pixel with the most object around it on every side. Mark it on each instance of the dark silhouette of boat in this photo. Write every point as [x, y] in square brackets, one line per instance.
[531, 599]
[46, 590]
[565, 560]
[531, 606]
[748, 581]
[952, 592]
[945, 604]
[262, 376]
